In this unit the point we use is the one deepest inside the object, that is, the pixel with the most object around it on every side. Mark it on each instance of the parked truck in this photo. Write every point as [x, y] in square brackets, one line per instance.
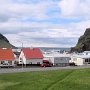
[46, 63]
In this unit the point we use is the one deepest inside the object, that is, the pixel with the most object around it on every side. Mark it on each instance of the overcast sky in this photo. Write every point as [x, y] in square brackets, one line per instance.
[53, 23]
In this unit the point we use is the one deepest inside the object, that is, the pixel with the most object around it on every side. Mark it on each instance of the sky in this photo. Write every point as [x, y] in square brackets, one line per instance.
[44, 23]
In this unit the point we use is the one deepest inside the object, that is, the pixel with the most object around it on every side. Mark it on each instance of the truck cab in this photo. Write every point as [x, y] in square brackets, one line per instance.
[46, 63]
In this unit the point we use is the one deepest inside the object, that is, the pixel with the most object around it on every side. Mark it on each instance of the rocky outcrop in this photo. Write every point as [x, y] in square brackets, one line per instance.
[83, 42]
[4, 42]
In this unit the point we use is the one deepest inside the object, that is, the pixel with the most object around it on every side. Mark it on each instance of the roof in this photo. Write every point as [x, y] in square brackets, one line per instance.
[82, 56]
[6, 54]
[86, 51]
[32, 53]
[57, 55]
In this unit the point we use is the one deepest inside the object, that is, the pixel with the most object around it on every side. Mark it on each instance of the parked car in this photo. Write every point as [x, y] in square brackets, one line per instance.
[46, 63]
[72, 64]
[6, 65]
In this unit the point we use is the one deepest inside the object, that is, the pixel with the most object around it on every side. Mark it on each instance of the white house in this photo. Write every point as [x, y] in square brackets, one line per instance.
[81, 58]
[58, 59]
[31, 56]
[6, 57]
[86, 53]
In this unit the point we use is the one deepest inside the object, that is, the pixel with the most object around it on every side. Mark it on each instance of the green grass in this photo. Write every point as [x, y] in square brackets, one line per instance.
[47, 80]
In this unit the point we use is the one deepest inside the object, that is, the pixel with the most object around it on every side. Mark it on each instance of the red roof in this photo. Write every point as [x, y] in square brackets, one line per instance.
[6, 54]
[34, 53]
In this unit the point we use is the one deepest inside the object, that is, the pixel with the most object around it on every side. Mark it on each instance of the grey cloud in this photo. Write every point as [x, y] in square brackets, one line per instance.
[58, 41]
[4, 18]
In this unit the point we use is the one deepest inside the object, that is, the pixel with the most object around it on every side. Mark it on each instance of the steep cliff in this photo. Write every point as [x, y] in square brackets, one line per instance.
[4, 43]
[83, 42]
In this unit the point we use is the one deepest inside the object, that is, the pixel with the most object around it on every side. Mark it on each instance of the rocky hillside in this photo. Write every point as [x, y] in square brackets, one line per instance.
[83, 42]
[4, 43]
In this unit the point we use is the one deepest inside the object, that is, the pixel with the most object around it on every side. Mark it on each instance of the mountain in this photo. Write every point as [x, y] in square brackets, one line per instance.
[83, 42]
[4, 43]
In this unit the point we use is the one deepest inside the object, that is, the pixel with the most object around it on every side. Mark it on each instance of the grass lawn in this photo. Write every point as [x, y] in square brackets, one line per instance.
[47, 80]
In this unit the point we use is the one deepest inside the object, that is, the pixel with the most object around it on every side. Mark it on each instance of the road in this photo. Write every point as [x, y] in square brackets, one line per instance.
[15, 70]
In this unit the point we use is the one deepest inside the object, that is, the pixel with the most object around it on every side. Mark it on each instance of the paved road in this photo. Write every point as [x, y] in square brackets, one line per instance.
[14, 70]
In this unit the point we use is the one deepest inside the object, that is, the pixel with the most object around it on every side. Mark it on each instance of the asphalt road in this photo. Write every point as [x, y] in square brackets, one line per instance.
[15, 70]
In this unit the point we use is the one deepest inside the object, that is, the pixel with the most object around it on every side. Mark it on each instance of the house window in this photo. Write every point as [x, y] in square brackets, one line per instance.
[2, 62]
[86, 60]
[21, 58]
[10, 62]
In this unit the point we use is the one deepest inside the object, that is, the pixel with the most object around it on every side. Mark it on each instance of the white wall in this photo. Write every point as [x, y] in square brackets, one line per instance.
[34, 61]
[80, 61]
[77, 60]
[23, 58]
[13, 62]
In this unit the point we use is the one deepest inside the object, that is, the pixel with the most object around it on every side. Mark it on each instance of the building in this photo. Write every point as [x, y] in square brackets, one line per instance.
[31, 56]
[58, 59]
[86, 53]
[17, 54]
[7, 57]
[81, 58]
